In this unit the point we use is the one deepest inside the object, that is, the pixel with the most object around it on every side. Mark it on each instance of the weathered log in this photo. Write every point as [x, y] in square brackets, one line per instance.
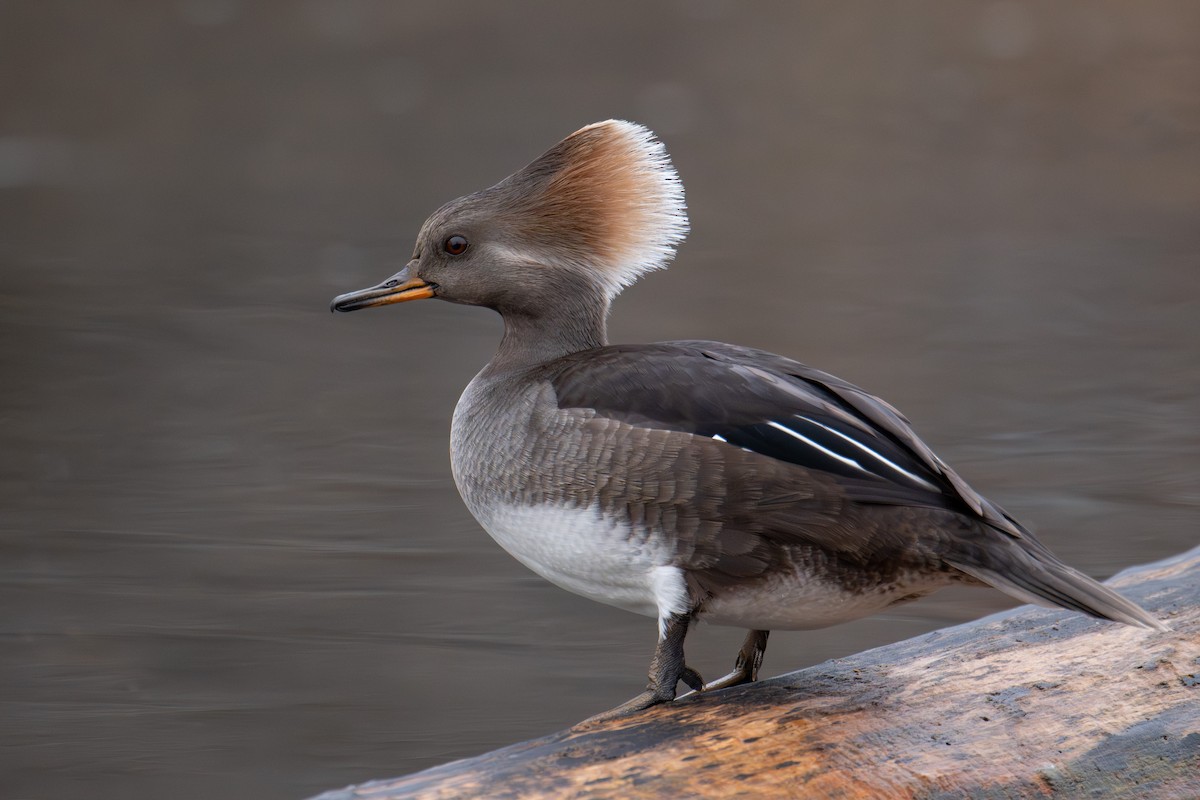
[1026, 703]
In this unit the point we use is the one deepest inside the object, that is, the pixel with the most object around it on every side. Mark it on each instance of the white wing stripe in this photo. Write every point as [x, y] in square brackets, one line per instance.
[870, 452]
[847, 461]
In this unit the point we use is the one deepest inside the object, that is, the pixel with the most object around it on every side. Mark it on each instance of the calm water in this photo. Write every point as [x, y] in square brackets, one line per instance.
[233, 560]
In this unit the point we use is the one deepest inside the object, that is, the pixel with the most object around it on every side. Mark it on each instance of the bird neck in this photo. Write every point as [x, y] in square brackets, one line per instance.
[566, 316]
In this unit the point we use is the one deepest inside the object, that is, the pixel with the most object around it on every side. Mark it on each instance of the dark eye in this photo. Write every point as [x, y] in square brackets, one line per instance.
[455, 245]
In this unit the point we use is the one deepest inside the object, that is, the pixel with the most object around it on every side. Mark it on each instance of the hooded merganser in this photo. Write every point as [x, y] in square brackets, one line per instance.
[687, 480]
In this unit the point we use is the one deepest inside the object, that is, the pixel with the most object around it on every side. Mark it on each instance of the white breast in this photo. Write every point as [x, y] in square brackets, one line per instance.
[599, 558]
[590, 555]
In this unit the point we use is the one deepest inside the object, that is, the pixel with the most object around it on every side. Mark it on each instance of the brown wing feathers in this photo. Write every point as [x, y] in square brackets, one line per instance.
[794, 463]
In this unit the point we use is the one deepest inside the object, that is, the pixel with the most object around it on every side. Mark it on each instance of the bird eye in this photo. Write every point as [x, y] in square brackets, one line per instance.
[455, 245]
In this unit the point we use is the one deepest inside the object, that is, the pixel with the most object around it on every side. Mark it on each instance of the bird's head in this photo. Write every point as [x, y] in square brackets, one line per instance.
[593, 213]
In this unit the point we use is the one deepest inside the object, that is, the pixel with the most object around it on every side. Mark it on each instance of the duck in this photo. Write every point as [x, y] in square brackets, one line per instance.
[687, 480]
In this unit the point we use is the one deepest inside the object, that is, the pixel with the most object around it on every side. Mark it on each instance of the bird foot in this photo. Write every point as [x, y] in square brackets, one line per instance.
[745, 668]
[735, 678]
[653, 696]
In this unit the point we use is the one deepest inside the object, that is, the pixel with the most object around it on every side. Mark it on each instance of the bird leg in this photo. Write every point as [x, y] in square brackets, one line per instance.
[745, 669]
[667, 668]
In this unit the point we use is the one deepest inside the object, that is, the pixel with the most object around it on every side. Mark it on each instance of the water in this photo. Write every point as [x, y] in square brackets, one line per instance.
[234, 561]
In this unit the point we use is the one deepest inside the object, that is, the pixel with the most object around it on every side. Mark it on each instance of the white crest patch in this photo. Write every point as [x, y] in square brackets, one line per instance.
[656, 214]
[605, 199]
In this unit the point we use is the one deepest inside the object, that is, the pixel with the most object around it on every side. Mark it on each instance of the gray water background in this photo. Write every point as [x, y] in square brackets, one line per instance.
[232, 559]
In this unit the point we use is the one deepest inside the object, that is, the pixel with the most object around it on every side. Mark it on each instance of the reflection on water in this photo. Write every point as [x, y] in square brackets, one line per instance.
[233, 557]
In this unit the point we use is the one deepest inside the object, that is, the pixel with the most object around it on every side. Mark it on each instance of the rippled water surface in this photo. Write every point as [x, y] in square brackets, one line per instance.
[233, 560]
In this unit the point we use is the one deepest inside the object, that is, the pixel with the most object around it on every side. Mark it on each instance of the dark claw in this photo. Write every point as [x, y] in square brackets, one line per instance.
[692, 679]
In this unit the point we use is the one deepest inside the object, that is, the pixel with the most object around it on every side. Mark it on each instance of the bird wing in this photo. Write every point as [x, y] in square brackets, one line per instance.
[777, 409]
[751, 457]
[751, 460]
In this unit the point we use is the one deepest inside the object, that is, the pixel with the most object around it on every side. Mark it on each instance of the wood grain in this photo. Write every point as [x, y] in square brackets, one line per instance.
[1027, 703]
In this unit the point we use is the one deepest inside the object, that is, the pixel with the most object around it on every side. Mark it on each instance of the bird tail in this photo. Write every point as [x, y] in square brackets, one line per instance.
[1028, 571]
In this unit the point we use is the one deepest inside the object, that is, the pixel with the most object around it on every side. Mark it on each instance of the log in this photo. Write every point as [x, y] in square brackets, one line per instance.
[1025, 703]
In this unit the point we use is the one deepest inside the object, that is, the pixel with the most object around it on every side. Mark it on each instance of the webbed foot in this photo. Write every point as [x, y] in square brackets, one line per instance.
[667, 669]
[745, 668]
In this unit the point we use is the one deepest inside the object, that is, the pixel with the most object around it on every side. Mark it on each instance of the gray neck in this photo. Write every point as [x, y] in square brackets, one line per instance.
[563, 315]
